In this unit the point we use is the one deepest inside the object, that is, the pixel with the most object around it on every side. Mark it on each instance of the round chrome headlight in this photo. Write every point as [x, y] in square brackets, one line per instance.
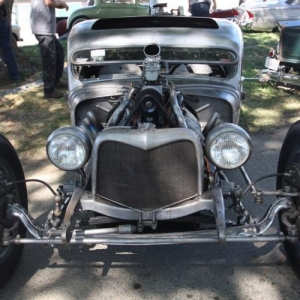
[69, 148]
[228, 146]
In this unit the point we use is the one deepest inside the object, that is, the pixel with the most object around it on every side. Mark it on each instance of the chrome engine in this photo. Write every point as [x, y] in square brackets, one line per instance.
[147, 158]
[154, 101]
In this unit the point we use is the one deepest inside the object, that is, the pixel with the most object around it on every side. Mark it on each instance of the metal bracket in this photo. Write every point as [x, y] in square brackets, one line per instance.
[19, 211]
[260, 227]
[219, 211]
[66, 233]
[294, 178]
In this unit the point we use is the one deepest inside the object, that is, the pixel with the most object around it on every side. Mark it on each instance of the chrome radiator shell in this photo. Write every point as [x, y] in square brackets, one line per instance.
[147, 170]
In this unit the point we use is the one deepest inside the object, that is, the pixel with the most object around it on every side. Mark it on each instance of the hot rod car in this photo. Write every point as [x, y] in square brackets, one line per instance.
[154, 104]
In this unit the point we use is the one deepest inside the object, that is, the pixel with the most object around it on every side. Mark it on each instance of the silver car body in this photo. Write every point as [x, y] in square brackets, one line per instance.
[228, 36]
[15, 28]
[154, 103]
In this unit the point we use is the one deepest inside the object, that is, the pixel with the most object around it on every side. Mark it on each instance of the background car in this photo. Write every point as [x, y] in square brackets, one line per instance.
[229, 14]
[109, 9]
[16, 32]
[247, 2]
[266, 14]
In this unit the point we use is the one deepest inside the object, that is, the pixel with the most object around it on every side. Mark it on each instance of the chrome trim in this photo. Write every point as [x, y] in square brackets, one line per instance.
[153, 239]
[121, 235]
[100, 205]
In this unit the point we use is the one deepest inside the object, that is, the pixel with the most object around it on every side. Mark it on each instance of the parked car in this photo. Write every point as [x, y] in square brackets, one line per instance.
[16, 29]
[114, 8]
[228, 14]
[265, 15]
[154, 132]
[109, 9]
[283, 61]
[247, 2]
[239, 15]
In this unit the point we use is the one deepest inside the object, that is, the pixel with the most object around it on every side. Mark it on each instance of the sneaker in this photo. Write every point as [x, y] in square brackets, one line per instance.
[61, 84]
[54, 95]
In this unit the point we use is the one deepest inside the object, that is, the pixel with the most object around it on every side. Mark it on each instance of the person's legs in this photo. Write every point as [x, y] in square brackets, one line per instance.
[48, 53]
[59, 60]
[200, 9]
[7, 51]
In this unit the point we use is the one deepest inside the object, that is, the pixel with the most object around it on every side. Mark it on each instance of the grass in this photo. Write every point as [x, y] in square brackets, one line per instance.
[267, 106]
[29, 63]
[30, 66]
[27, 119]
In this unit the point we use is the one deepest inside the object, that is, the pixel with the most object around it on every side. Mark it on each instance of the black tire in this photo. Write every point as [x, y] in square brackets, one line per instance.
[290, 152]
[78, 20]
[10, 165]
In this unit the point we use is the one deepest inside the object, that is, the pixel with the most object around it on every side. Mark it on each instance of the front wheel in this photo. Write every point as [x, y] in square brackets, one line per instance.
[78, 20]
[10, 170]
[289, 154]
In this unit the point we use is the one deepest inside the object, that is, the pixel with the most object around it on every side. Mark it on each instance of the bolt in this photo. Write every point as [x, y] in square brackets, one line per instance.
[140, 228]
[149, 104]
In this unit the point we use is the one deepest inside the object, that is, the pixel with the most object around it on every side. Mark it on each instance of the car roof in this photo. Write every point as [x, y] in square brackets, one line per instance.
[164, 31]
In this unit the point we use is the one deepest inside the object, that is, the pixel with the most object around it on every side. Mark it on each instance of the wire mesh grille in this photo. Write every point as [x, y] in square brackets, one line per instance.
[147, 180]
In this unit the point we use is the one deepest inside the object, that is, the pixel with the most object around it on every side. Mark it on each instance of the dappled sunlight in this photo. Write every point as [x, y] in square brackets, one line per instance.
[155, 272]
[27, 119]
[267, 105]
[256, 48]
[263, 117]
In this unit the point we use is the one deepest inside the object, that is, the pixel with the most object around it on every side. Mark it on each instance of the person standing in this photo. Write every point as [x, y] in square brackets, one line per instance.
[200, 8]
[43, 26]
[5, 45]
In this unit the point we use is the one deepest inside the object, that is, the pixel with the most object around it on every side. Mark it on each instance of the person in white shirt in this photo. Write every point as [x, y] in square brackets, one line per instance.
[43, 26]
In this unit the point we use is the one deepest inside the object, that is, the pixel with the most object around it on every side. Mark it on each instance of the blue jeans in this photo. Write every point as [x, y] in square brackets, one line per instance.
[7, 51]
[200, 9]
[52, 54]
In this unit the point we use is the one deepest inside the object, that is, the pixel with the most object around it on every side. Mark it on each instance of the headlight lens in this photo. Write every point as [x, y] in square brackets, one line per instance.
[69, 148]
[228, 146]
